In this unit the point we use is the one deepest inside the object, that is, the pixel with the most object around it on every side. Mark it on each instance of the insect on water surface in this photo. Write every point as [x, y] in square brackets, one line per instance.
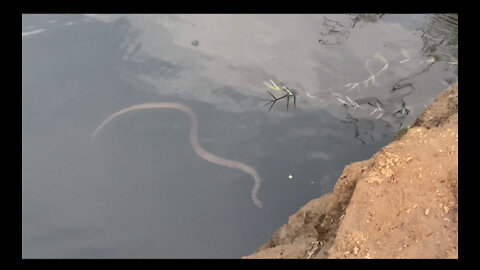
[288, 93]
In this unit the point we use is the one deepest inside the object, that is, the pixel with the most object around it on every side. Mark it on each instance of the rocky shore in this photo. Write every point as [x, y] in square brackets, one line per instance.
[401, 203]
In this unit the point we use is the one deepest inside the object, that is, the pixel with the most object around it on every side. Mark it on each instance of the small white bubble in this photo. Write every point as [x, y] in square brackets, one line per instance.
[290, 176]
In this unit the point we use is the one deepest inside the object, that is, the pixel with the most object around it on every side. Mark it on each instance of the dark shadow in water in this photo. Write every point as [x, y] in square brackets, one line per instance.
[336, 32]
[440, 37]
[366, 18]
[440, 41]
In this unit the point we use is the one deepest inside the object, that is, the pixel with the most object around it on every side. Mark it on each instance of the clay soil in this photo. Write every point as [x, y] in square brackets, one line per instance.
[401, 203]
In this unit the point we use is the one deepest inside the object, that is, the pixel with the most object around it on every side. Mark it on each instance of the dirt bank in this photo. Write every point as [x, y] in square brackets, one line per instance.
[401, 203]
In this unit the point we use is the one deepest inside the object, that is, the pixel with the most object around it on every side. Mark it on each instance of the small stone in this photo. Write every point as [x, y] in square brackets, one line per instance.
[427, 211]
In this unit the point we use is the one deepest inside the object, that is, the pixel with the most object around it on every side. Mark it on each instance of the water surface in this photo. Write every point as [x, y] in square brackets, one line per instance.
[139, 190]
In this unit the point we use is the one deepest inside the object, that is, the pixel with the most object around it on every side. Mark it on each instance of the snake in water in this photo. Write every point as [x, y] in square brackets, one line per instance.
[193, 141]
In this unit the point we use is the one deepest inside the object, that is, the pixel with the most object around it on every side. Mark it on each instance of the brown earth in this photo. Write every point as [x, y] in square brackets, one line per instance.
[401, 203]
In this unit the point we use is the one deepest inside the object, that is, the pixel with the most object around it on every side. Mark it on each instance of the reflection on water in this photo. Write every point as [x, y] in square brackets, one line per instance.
[351, 82]
[440, 37]
[394, 60]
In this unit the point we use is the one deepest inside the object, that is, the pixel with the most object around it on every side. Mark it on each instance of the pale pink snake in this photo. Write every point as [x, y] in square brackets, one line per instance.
[194, 141]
